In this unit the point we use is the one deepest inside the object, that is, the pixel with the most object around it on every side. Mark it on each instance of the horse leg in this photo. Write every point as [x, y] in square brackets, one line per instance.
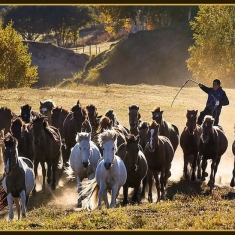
[193, 176]
[163, 179]
[204, 173]
[186, 176]
[49, 166]
[43, 174]
[36, 162]
[232, 184]
[214, 167]
[54, 168]
[79, 189]
[125, 194]
[23, 203]
[115, 192]
[66, 156]
[16, 200]
[150, 183]
[10, 206]
[144, 182]
[135, 195]
[199, 174]
[155, 174]
[101, 194]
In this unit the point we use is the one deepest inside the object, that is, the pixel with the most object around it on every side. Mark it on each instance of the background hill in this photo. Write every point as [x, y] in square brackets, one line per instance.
[151, 57]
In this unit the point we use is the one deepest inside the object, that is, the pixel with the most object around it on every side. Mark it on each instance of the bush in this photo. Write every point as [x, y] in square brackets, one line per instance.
[15, 70]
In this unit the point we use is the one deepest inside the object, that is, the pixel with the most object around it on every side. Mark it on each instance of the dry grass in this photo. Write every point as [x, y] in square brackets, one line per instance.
[188, 207]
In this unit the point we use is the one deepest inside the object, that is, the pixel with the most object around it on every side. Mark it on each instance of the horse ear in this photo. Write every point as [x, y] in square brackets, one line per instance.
[40, 102]
[30, 107]
[162, 112]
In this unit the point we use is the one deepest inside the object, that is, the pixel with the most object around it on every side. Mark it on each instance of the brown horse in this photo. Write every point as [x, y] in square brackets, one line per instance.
[86, 126]
[46, 109]
[23, 134]
[136, 166]
[166, 128]
[159, 153]
[115, 123]
[5, 116]
[134, 119]
[213, 144]
[46, 147]
[58, 116]
[106, 124]
[71, 126]
[27, 114]
[94, 119]
[189, 142]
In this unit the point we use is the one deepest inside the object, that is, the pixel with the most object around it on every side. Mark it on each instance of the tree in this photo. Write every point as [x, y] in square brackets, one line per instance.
[15, 70]
[213, 52]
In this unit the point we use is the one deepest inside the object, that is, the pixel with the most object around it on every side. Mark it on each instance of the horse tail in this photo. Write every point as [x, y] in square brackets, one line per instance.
[3, 197]
[91, 188]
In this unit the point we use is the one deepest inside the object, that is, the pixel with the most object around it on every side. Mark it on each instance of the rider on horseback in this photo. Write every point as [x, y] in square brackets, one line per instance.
[216, 99]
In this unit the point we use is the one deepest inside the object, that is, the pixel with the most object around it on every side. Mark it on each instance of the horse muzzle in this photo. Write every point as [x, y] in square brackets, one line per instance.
[107, 166]
[205, 139]
[85, 164]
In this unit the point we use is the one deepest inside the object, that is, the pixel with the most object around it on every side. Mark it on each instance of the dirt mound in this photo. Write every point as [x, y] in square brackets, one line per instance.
[151, 57]
[55, 63]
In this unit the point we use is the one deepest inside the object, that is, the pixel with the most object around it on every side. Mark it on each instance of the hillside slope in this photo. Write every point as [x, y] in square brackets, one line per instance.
[151, 57]
[55, 63]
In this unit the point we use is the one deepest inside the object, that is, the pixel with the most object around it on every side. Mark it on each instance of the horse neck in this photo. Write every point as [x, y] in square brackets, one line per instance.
[134, 131]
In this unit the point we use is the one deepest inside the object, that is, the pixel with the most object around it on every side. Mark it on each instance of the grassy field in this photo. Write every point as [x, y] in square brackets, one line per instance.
[189, 207]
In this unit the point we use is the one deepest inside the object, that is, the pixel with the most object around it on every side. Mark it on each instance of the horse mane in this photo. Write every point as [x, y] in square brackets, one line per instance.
[91, 106]
[26, 106]
[208, 118]
[82, 136]
[131, 139]
[5, 109]
[153, 124]
[18, 120]
[60, 108]
[106, 136]
[10, 140]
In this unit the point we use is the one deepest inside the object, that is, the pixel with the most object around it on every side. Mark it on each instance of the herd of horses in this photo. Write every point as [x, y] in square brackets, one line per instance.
[102, 150]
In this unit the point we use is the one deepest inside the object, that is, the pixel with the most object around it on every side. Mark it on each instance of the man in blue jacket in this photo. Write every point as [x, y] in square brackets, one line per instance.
[216, 99]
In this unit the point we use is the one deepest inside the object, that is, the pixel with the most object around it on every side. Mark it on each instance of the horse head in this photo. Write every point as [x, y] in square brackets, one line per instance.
[132, 148]
[46, 107]
[92, 114]
[143, 132]
[112, 116]
[157, 115]
[38, 125]
[11, 153]
[207, 128]
[153, 135]
[16, 127]
[108, 143]
[191, 123]
[134, 116]
[83, 139]
[105, 124]
[25, 113]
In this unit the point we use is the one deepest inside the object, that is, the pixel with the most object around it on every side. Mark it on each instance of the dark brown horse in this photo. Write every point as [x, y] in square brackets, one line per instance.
[136, 166]
[134, 119]
[46, 109]
[71, 126]
[23, 134]
[213, 144]
[94, 119]
[189, 142]
[46, 147]
[167, 129]
[86, 126]
[58, 116]
[106, 124]
[5, 116]
[27, 114]
[115, 123]
[159, 153]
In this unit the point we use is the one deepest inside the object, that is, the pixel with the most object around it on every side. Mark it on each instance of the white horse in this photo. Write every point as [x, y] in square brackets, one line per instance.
[18, 181]
[110, 174]
[83, 159]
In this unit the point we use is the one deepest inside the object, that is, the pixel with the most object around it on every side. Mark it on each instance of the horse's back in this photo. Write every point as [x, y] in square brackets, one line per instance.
[223, 141]
[172, 133]
[168, 146]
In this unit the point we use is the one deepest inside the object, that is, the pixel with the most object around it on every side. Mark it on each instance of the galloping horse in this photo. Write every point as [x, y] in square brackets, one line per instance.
[5, 116]
[23, 134]
[72, 125]
[189, 142]
[27, 114]
[110, 173]
[159, 153]
[165, 128]
[46, 109]
[83, 159]
[18, 180]
[213, 144]
[46, 147]
[136, 166]
[134, 119]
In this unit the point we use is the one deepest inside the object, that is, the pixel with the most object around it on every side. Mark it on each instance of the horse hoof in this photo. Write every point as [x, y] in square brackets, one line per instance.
[124, 203]
[232, 183]
[205, 174]
[203, 178]
[150, 199]
[53, 187]
[193, 177]
[23, 215]
[48, 181]
[210, 184]
[186, 176]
